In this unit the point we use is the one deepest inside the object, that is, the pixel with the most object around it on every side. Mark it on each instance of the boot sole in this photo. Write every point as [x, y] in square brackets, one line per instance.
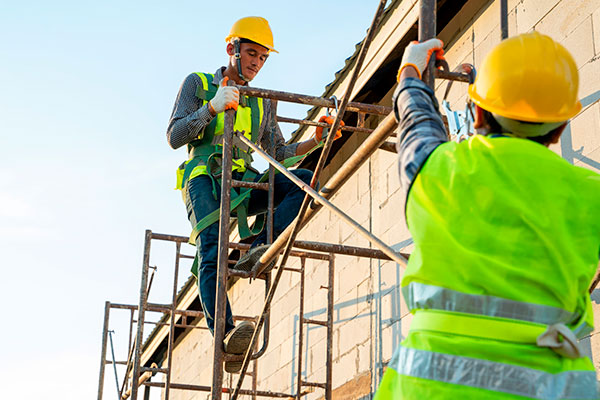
[248, 261]
[237, 344]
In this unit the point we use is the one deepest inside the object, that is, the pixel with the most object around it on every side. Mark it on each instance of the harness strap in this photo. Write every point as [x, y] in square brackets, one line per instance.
[209, 94]
[255, 117]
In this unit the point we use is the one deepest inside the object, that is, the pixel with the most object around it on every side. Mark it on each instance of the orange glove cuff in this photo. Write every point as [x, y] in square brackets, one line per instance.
[232, 105]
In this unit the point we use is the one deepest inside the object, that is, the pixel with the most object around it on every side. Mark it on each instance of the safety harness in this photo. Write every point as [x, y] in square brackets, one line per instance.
[238, 59]
[206, 154]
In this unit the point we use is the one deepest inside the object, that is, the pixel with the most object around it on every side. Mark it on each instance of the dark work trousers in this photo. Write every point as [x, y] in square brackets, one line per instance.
[200, 202]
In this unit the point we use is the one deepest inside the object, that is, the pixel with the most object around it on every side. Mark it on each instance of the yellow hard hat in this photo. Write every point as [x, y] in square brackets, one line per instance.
[256, 29]
[529, 77]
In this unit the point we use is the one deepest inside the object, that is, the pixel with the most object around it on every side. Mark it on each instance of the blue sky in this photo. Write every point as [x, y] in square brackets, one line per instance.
[86, 91]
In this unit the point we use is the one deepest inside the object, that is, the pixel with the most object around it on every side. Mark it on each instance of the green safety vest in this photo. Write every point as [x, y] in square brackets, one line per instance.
[507, 237]
[248, 119]
[206, 151]
[208, 147]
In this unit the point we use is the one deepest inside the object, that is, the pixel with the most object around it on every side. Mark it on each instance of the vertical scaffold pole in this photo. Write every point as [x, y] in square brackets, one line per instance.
[221, 295]
[103, 351]
[504, 18]
[427, 30]
[300, 329]
[172, 321]
[114, 360]
[330, 305]
[141, 316]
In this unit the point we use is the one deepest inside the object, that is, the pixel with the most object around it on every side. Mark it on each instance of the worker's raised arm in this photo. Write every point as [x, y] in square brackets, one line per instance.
[420, 126]
[188, 118]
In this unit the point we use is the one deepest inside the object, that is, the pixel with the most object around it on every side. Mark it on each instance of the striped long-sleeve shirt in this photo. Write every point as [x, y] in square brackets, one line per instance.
[190, 117]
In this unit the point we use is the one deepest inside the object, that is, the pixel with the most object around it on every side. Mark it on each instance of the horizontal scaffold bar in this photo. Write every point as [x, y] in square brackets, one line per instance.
[312, 100]
[201, 388]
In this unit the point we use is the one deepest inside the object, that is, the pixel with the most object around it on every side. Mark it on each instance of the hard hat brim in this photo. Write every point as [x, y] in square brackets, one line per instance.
[486, 105]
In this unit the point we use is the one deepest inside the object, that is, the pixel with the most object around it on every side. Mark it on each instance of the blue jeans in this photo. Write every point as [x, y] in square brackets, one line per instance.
[200, 202]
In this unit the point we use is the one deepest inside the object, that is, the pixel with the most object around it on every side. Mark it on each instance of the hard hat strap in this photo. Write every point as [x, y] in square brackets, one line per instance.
[238, 59]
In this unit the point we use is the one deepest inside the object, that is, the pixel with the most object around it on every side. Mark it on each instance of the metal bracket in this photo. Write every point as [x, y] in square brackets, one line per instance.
[327, 113]
[460, 123]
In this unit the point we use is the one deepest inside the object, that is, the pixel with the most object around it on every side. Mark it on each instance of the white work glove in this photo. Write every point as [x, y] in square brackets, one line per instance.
[227, 97]
[417, 55]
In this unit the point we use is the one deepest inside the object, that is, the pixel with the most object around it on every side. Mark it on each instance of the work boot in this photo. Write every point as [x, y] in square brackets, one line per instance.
[237, 342]
[249, 260]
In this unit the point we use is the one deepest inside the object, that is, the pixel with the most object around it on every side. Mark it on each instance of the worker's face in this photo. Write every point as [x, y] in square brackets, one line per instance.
[253, 58]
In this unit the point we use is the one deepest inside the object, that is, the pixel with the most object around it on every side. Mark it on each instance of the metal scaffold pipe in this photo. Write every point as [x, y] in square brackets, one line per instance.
[427, 30]
[365, 150]
[326, 203]
[311, 100]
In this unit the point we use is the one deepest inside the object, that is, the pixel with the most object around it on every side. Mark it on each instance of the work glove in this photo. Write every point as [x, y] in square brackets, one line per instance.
[226, 98]
[319, 133]
[417, 55]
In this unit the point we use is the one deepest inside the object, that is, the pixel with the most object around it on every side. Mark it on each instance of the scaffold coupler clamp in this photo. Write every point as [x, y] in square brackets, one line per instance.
[460, 123]
[327, 114]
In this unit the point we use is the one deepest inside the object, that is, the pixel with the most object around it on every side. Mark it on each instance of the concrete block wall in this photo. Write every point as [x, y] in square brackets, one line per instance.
[370, 317]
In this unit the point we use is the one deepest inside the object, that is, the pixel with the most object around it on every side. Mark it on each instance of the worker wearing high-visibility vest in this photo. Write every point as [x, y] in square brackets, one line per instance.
[506, 234]
[197, 121]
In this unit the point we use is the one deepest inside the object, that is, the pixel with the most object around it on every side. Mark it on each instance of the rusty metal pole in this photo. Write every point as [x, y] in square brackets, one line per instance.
[131, 347]
[427, 30]
[344, 104]
[103, 351]
[596, 280]
[300, 329]
[141, 316]
[504, 19]
[114, 360]
[327, 204]
[271, 203]
[324, 124]
[221, 292]
[310, 100]
[330, 305]
[172, 321]
[352, 164]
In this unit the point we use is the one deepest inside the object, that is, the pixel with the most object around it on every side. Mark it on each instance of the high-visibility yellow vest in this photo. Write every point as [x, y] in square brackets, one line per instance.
[507, 238]
[248, 119]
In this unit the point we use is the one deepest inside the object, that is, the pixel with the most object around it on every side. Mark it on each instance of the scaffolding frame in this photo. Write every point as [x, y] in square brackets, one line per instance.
[140, 375]
[303, 250]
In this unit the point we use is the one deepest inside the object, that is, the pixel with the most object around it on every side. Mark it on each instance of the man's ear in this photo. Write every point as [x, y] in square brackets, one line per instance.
[557, 133]
[479, 120]
[230, 49]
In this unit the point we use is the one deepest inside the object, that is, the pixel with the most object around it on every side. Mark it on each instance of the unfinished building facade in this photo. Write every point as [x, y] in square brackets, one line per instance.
[369, 317]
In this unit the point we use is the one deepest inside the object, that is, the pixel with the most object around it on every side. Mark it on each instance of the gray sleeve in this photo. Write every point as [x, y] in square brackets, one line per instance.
[188, 118]
[420, 128]
[271, 129]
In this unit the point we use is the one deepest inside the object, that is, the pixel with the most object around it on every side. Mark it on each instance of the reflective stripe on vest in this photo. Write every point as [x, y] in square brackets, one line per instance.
[419, 295]
[488, 375]
[243, 115]
[212, 134]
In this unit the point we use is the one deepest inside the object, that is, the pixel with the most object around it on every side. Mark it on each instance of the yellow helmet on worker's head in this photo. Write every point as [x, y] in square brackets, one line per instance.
[530, 78]
[256, 29]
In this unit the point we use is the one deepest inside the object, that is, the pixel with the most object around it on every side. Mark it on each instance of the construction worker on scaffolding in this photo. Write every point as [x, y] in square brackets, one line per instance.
[197, 121]
[506, 234]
